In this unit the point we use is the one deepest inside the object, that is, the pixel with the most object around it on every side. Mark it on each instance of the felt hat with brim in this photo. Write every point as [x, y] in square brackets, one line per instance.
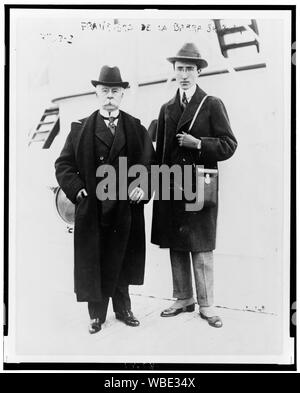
[190, 53]
[110, 76]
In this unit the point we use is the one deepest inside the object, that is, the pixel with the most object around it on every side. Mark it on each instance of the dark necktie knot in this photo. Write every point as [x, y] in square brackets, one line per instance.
[111, 120]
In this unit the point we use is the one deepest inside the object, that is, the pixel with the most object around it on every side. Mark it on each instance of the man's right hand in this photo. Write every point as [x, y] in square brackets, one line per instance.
[81, 195]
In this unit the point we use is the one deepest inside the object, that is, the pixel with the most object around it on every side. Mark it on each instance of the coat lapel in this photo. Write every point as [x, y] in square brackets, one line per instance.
[134, 147]
[102, 132]
[86, 126]
[190, 110]
[173, 109]
[85, 157]
[173, 114]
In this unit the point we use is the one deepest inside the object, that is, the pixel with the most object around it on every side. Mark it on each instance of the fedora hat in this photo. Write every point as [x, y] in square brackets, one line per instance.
[189, 52]
[110, 76]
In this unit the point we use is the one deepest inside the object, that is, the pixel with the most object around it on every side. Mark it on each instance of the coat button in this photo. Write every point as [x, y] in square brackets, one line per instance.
[101, 158]
[183, 160]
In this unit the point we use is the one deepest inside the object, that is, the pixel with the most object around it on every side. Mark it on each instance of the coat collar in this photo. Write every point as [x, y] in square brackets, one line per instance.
[85, 132]
[191, 108]
[182, 118]
[114, 143]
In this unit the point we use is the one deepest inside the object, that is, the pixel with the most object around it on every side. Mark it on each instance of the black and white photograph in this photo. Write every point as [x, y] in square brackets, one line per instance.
[149, 172]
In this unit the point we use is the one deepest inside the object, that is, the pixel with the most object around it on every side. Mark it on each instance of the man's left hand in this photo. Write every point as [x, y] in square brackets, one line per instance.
[187, 140]
[136, 195]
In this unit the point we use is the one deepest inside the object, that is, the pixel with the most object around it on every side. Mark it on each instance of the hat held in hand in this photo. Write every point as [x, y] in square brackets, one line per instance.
[190, 53]
[110, 76]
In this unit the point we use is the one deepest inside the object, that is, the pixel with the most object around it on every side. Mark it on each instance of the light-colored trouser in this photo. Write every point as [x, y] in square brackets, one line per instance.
[203, 272]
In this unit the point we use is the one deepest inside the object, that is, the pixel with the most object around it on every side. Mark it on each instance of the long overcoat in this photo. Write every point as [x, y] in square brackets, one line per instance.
[176, 228]
[95, 274]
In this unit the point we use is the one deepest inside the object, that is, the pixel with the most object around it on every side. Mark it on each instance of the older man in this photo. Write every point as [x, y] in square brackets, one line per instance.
[190, 234]
[109, 236]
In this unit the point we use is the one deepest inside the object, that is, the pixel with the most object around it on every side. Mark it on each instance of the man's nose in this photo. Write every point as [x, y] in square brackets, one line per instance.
[184, 74]
[110, 94]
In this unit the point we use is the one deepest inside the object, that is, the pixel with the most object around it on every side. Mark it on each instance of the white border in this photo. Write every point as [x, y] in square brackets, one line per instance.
[198, 359]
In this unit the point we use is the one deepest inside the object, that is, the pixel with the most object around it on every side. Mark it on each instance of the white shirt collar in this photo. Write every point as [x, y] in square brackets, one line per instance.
[189, 92]
[105, 113]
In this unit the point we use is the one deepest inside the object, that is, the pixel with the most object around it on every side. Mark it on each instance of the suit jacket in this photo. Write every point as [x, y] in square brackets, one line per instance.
[97, 272]
[172, 226]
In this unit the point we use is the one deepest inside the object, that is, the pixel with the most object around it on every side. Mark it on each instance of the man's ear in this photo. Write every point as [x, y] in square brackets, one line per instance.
[199, 71]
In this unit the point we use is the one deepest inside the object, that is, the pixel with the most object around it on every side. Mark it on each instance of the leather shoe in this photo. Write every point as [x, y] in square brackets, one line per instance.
[214, 321]
[127, 317]
[94, 326]
[172, 312]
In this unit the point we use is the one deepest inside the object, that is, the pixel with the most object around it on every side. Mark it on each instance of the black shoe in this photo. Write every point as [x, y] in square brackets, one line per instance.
[94, 326]
[172, 312]
[214, 321]
[127, 317]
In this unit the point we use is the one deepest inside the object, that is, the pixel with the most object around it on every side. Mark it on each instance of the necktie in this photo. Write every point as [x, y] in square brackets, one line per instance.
[184, 100]
[111, 125]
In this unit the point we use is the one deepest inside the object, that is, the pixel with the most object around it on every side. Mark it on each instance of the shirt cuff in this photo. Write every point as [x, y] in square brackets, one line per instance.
[199, 145]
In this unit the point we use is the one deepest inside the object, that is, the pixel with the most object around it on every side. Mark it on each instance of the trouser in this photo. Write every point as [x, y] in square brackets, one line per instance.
[120, 300]
[203, 273]
[120, 297]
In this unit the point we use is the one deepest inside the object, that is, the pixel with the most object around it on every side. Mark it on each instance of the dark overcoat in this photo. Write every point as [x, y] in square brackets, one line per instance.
[96, 274]
[173, 227]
